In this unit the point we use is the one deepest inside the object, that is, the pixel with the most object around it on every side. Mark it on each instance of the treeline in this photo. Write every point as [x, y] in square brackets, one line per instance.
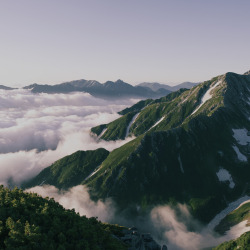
[28, 221]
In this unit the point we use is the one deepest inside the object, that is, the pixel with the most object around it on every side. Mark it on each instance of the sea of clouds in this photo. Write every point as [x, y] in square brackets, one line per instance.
[38, 129]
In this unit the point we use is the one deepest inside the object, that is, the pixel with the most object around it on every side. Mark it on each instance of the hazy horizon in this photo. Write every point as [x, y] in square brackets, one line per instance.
[50, 42]
[20, 85]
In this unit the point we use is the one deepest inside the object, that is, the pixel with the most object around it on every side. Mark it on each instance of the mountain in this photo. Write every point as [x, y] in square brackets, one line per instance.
[156, 86]
[71, 170]
[6, 88]
[243, 242]
[247, 73]
[28, 221]
[240, 214]
[109, 89]
[191, 147]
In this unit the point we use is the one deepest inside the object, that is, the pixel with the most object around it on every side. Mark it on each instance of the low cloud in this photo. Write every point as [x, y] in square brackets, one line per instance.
[181, 231]
[174, 227]
[79, 199]
[38, 129]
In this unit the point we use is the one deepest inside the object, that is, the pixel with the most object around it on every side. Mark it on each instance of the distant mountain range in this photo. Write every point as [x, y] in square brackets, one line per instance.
[109, 89]
[155, 86]
[5, 88]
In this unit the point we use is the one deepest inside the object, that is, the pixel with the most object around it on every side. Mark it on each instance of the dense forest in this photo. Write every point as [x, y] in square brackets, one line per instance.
[28, 221]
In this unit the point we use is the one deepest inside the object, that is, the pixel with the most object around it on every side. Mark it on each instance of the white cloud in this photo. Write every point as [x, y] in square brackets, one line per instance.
[38, 129]
[174, 229]
[79, 199]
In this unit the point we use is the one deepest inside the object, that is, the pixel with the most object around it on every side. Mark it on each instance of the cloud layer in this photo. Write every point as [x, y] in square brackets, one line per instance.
[174, 227]
[182, 231]
[37, 129]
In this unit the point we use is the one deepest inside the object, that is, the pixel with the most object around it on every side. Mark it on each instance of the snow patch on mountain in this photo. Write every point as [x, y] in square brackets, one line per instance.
[241, 136]
[231, 206]
[42, 183]
[223, 175]
[130, 124]
[102, 133]
[94, 172]
[157, 122]
[247, 201]
[206, 96]
[180, 162]
[240, 156]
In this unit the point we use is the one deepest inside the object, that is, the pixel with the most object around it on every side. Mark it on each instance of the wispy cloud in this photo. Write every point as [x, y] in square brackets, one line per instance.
[78, 198]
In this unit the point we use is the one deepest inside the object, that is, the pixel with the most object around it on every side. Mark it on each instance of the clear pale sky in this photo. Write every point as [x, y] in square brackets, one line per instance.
[52, 41]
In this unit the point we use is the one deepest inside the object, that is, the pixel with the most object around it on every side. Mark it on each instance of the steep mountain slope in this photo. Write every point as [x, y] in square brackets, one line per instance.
[28, 221]
[144, 115]
[192, 147]
[107, 90]
[192, 151]
[242, 213]
[70, 170]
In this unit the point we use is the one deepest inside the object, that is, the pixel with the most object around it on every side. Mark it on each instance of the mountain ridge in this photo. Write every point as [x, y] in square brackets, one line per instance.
[6, 88]
[109, 89]
[183, 143]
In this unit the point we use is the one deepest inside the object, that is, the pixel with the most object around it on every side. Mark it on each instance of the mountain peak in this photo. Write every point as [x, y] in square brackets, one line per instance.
[247, 73]
[119, 81]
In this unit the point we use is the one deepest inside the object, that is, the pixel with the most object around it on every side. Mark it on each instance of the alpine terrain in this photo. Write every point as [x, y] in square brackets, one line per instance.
[190, 147]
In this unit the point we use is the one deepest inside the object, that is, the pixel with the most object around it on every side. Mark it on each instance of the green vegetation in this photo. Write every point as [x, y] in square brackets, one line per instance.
[137, 107]
[112, 168]
[28, 221]
[235, 217]
[242, 243]
[175, 109]
[177, 160]
[71, 170]
[116, 129]
[98, 129]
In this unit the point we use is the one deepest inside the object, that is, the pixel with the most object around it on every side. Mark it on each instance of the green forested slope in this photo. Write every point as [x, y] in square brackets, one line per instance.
[179, 159]
[174, 109]
[70, 170]
[28, 221]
